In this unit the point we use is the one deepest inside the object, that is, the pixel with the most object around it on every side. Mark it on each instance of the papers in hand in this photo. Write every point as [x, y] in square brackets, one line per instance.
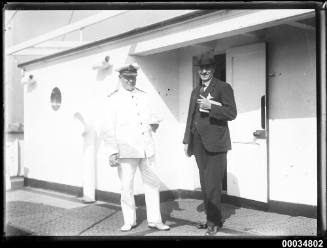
[212, 102]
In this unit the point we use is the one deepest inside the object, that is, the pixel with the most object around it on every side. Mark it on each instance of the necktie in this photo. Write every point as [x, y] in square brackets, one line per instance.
[202, 89]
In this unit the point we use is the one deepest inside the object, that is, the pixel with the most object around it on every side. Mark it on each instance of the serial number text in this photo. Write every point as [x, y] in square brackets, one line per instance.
[302, 243]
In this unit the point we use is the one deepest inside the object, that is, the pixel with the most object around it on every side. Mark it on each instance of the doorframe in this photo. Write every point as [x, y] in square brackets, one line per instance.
[267, 123]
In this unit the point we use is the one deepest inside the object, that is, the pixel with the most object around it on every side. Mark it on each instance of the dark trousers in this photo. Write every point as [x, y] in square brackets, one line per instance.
[212, 167]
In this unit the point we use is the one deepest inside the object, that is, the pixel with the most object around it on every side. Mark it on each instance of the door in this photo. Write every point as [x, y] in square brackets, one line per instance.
[247, 161]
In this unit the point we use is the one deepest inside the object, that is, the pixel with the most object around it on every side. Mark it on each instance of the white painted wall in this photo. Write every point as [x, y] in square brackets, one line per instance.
[55, 134]
[53, 139]
[26, 25]
[293, 132]
[22, 25]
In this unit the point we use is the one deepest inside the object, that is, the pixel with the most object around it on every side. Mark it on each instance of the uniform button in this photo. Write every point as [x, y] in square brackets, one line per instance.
[132, 96]
[141, 123]
[142, 133]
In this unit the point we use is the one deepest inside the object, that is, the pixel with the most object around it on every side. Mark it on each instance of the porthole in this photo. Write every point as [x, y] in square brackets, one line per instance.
[55, 99]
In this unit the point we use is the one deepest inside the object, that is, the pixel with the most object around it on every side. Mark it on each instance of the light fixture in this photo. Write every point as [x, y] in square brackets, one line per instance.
[28, 80]
[104, 64]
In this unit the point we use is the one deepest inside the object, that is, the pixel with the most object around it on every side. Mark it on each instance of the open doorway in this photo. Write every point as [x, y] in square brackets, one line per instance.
[220, 73]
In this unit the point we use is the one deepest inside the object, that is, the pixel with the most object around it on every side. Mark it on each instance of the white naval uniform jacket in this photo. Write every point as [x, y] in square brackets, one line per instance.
[127, 126]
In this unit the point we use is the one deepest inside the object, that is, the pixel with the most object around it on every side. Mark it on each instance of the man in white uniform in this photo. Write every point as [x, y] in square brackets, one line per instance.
[129, 142]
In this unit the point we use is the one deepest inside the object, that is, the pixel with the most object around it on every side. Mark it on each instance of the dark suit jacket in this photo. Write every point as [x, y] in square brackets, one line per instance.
[212, 127]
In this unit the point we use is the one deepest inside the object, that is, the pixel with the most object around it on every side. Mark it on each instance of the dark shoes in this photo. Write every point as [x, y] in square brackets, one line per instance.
[201, 225]
[212, 230]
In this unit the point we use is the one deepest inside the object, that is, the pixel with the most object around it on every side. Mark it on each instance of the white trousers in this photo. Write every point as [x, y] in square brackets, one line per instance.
[88, 165]
[126, 173]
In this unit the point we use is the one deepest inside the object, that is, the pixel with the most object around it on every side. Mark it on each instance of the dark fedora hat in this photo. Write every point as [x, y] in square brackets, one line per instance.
[205, 59]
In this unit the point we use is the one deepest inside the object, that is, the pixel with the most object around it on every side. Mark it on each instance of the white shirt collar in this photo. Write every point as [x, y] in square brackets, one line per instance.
[127, 92]
[206, 84]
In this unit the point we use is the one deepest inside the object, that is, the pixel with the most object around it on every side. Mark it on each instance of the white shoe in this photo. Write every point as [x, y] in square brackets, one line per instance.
[159, 226]
[127, 227]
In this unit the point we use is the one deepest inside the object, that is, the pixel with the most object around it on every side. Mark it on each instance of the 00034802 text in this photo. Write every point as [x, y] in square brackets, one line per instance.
[302, 243]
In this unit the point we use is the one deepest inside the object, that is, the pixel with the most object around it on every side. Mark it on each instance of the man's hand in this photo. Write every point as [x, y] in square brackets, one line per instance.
[113, 160]
[185, 150]
[204, 103]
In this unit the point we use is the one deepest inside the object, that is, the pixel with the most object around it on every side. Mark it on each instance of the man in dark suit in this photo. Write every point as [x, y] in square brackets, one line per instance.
[207, 137]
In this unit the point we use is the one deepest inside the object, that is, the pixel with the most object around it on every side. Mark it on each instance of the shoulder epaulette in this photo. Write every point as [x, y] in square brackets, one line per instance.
[112, 93]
